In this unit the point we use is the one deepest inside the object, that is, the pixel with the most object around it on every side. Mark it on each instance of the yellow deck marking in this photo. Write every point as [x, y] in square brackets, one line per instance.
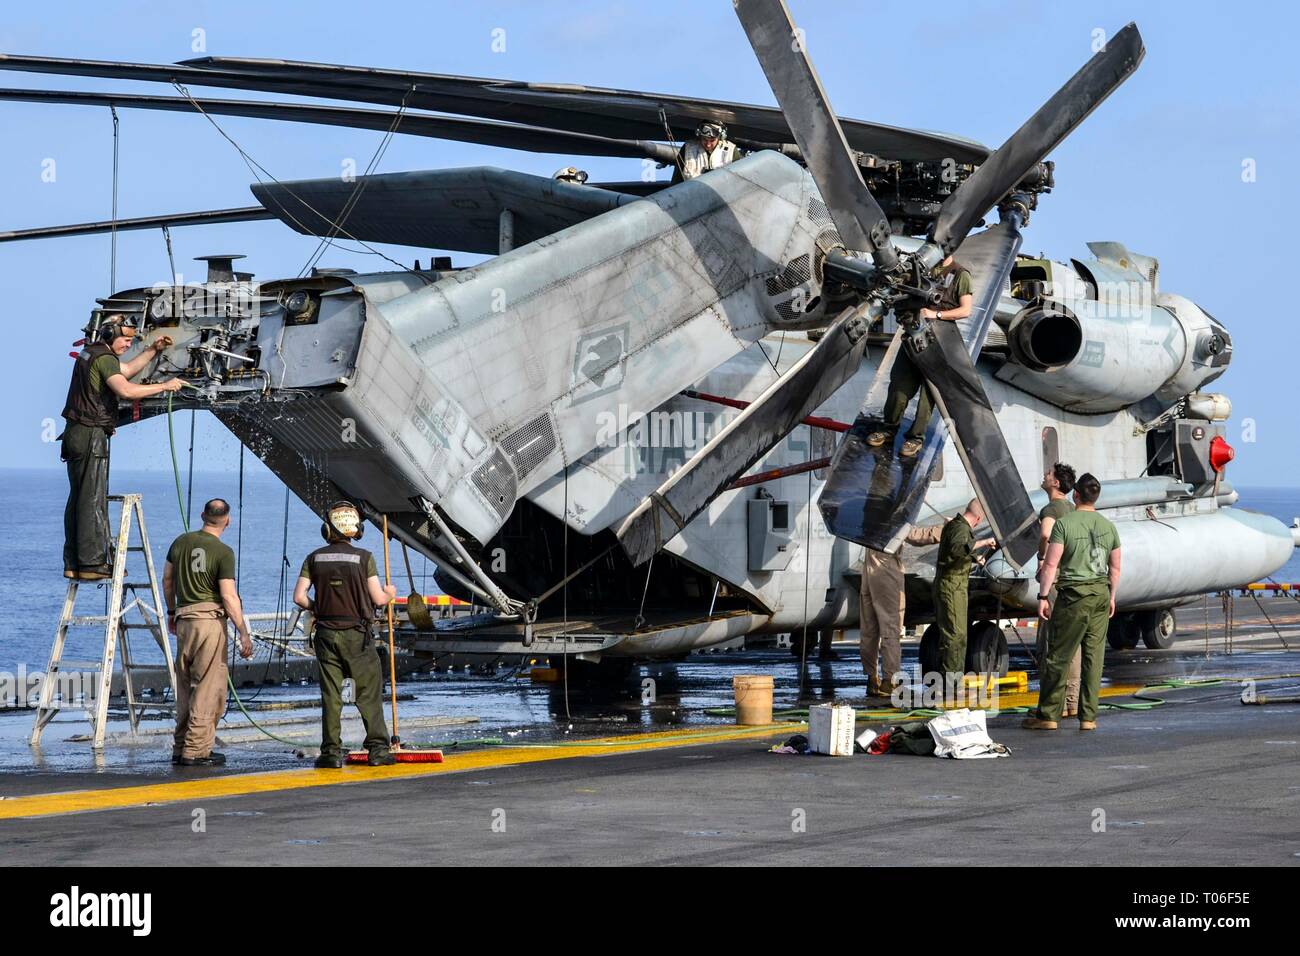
[112, 798]
[274, 781]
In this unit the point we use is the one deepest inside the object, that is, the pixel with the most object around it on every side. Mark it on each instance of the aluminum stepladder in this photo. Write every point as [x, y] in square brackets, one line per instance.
[116, 633]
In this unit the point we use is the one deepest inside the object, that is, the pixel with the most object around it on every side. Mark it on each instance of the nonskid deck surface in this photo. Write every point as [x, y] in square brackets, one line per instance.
[1185, 781]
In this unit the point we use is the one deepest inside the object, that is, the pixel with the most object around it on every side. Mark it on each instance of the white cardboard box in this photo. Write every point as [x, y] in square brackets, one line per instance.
[830, 729]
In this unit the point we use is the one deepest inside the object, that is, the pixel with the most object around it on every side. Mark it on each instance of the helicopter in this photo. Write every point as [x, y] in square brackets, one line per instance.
[640, 427]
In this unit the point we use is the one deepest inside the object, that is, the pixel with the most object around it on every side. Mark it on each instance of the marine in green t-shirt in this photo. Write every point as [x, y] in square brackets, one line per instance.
[957, 547]
[1055, 509]
[101, 370]
[199, 560]
[956, 300]
[1088, 539]
[1084, 563]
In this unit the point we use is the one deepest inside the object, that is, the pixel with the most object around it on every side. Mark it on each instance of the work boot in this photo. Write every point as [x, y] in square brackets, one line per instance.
[875, 688]
[1087, 725]
[213, 759]
[1037, 723]
[1069, 711]
[98, 573]
[69, 574]
[911, 447]
[329, 762]
[876, 439]
[381, 759]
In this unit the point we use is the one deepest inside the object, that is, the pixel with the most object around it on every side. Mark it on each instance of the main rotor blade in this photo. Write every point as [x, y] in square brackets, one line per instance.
[872, 495]
[594, 109]
[747, 438]
[620, 114]
[1030, 144]
[959, 395]
[858, 217]
[485, 132]
[242, 214]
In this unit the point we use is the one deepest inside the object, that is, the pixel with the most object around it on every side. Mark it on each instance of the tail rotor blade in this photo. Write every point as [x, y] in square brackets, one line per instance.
[779, 48]
[1030, 144]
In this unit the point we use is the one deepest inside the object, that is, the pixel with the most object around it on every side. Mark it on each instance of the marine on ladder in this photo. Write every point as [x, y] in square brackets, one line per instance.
[99, 379]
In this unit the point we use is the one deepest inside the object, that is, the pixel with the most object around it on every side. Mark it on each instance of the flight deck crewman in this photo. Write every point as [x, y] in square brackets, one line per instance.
[1058, 482]
[881, 608]
[710, 149]
[905, 380]
[957, 546]
[347, 591]
[99, 379]
[199, 588]
[1083, 559]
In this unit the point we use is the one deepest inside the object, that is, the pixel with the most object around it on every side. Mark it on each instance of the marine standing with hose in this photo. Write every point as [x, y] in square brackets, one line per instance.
[346, 584]
[957, 546]
[99, 379]
[199, 588]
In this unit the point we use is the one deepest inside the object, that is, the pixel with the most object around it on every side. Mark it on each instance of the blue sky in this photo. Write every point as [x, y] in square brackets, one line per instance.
[1158, 166]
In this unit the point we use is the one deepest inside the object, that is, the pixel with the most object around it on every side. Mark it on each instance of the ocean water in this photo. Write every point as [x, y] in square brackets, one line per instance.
[31, 541]
[32, 585]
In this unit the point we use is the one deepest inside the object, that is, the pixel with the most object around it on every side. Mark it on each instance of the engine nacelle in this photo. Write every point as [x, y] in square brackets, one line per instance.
[1101, 355]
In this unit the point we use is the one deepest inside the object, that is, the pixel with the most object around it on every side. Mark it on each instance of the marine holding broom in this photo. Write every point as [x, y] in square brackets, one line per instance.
[347, 591]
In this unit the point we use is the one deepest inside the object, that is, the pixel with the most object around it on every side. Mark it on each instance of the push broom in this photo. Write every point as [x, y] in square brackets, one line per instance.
[403, 754]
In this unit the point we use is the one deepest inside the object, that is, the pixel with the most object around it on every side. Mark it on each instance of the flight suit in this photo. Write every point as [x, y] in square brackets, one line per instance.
[1082, 611]
[951, 593]
[905, 378]
[91, 414]
[881, 608]
[339, 573]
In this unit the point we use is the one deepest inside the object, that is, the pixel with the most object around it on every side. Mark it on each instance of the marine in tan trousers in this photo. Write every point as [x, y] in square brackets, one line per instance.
[881, 608]
[199, 588]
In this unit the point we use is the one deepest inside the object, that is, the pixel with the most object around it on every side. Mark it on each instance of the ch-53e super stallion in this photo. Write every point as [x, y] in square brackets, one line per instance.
[640, 427]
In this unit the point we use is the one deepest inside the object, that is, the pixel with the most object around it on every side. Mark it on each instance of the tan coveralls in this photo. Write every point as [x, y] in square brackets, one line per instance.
[200, 677]
[882, 606]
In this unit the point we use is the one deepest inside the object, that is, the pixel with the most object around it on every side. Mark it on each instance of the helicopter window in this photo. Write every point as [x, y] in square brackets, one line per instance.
[1034, 273]
[1051, 448]
[780, 516]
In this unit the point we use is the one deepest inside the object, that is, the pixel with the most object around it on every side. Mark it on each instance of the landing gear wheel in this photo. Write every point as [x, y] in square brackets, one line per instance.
[929, 651]
[1157, 628]
[609, 672]
[986, 649]
[1123, 633]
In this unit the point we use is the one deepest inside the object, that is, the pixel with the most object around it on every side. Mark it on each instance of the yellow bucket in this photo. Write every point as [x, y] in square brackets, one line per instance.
[753, 699]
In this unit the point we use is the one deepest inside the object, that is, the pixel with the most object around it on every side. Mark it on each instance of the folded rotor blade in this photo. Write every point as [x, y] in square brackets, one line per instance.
[1030, 144]
[872, 495]
[243, 214]
[747, 438]
[486, 132]
[620, 114]
[858, 217]
[624, 113]
[960, 398]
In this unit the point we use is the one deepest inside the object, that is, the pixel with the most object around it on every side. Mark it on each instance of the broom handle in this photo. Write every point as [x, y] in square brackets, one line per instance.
[392, 656]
